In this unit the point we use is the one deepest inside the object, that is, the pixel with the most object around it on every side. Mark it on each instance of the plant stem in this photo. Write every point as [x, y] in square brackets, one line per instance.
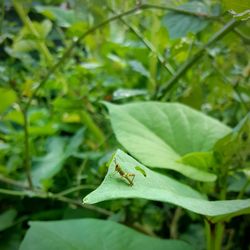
[80, 204]
[219, 230]
[181, 11]
[174, 223]
[43, 195]
[190, 62]
[27, 159]
[208, 234]
[73, 189]
[214, 235]
[12, 192]
[144, 230]
[12, 182]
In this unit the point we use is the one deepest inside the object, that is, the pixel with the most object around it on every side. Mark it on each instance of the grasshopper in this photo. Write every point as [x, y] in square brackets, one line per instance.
[128, 176]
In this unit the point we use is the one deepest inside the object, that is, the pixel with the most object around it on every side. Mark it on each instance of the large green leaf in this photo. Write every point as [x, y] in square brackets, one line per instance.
[159, 134]
[89, 234]
[155, 186]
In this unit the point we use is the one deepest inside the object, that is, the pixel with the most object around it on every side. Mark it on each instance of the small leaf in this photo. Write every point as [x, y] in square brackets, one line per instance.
[179, 25]
[138, 67]
[202, 160]
[89, 234]
[74, 143]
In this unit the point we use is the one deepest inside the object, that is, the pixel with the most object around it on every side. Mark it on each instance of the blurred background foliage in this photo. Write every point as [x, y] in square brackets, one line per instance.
[53, 124]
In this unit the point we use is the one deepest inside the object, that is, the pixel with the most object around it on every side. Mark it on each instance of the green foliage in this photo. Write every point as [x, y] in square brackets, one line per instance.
[174, 78]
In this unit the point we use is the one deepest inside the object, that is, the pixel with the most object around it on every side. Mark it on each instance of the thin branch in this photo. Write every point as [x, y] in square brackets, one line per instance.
[143, 229]
[174, 223]
[80, 204]
[13, 192]
[182, 11]
[52, 196]
[190, 62]
[245, 38]
[12, 182]
[68, 51]
[73, 189]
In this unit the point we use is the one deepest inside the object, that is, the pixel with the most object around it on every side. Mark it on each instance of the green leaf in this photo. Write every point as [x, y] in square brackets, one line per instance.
[74, 143]
[47, 166]
[159, 134]
[159, 187]
[43, 28]
[138, 67]
[7, 97]
[179, 25]
[89, 234]
[58, 151]
[202, 160]
[7, 219]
